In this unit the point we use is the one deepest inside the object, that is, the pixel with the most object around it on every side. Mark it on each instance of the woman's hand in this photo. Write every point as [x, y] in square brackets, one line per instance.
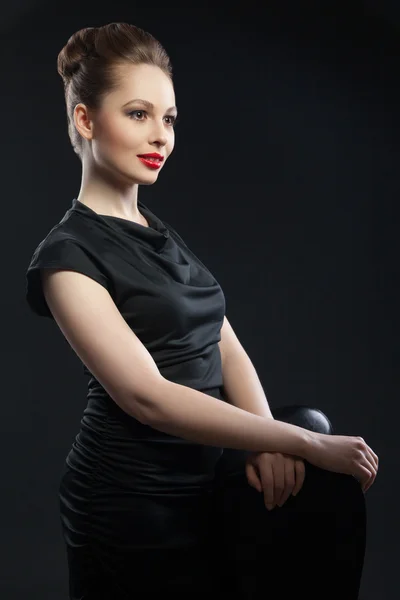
[344, 454]
[278, 475]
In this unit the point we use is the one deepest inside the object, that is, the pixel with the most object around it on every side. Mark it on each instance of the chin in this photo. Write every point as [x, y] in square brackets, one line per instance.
[149, 180]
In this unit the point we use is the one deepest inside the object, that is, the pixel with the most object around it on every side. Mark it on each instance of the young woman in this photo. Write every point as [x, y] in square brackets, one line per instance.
[147, 503]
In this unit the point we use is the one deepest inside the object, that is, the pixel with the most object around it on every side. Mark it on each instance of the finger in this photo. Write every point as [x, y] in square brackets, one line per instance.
[368, 485]
[364, 473]
[290, 480]
[278, 467]
[371, 466]
[252, 477]
[372, 457]
[369, 482]
[267, 481]
[300, 474]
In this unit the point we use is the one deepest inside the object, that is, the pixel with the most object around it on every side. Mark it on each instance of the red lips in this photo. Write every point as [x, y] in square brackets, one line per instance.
[151, 163]
[151, 155]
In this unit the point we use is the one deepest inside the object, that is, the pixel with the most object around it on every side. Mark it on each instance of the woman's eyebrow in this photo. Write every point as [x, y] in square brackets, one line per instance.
[148, 104]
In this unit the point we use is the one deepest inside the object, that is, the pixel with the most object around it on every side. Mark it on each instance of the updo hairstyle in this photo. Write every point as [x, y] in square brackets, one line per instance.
[89, 60]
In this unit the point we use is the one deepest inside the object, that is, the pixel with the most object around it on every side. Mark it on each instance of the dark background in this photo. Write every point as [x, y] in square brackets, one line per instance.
[284, 181]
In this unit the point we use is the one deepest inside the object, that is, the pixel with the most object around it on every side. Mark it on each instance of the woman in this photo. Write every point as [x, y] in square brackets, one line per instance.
[148, 502]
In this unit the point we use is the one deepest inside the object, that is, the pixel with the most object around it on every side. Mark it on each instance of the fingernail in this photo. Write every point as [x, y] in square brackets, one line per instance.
[270, 506]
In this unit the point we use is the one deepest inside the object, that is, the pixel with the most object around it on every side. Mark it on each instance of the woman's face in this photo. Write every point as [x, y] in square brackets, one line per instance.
[121, 129]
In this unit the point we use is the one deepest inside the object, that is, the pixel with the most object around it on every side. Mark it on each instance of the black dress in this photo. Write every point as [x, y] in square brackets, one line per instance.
[130, 492]
[144, 513]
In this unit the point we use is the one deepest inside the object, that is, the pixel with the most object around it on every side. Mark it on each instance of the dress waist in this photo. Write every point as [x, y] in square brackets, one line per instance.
[117, 450]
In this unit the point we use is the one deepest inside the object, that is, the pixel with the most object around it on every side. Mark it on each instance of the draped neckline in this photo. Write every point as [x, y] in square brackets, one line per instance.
[156, 234]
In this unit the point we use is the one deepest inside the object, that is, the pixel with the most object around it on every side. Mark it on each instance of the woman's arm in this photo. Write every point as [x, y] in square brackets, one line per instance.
[242, 386]
[96, 330]
[182, 411]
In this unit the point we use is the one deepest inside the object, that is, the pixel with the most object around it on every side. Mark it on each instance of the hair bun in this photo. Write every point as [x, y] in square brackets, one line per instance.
[80, 47]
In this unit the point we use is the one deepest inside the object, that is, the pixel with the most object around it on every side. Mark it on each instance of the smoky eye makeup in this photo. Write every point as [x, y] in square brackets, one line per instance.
[133, 115]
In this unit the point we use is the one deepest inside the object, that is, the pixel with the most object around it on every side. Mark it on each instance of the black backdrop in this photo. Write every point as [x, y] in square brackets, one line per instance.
[284, 180]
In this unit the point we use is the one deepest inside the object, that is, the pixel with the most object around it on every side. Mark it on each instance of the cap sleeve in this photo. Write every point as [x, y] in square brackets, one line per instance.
[58, 254]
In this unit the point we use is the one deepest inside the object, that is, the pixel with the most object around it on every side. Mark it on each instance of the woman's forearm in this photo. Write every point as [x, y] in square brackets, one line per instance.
[242, 386]
[188, 413]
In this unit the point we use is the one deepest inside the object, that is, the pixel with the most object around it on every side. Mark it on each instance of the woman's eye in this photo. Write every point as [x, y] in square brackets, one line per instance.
[135, 112]
[174, 119]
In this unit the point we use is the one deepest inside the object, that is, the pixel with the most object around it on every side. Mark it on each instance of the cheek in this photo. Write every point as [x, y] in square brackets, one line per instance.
[123, 136]
[171, 144]
[118, 134]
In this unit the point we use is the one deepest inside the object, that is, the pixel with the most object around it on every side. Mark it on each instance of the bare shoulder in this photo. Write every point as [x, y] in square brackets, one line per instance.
[97, 332]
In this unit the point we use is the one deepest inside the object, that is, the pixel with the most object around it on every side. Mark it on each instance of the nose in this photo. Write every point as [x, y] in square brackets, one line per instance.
[159, 135]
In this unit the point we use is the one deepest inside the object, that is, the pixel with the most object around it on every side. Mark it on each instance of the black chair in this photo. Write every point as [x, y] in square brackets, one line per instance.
[304, 416]
[336, 500]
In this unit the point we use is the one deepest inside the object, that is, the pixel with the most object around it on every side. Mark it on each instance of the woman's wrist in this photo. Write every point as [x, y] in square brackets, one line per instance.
[309, 445]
